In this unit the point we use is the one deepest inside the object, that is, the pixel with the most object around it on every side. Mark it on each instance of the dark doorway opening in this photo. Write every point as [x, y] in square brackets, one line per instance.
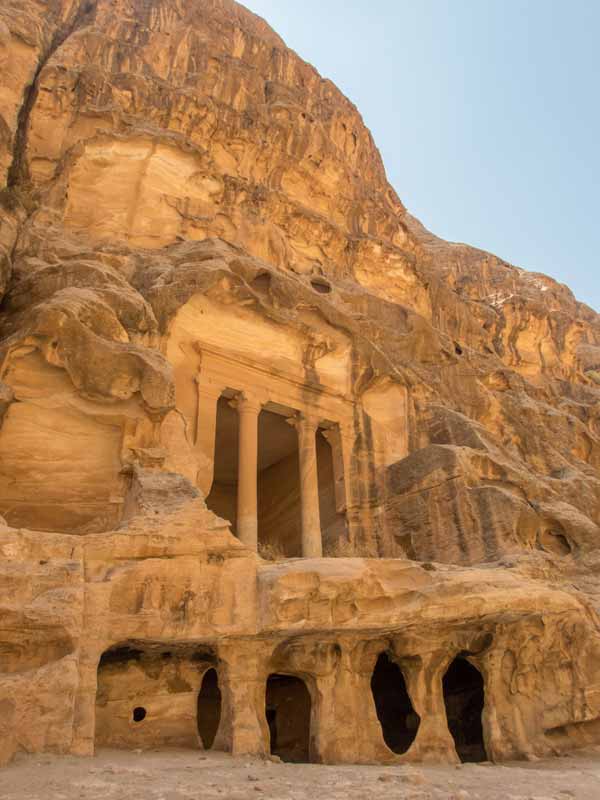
[279, 515]
[464, 698]
[288, 709]
[278, 479]
[222, 498]
[209, 708]
[397, 717]
[148, 696]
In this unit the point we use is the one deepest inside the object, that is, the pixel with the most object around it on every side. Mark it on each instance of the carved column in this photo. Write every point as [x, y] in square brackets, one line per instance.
[334, 437]
[347, 488]
[248, 408]
[206, 428]
[84, 713]
[312, 545]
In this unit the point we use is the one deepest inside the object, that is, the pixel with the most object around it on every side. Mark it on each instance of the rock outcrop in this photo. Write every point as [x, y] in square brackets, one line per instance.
[198, 245]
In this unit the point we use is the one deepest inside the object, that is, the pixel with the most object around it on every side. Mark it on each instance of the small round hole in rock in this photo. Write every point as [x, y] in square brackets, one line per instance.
[139, 714]
[320, 285]
[554, 542]
[262, 282]
[458, 349]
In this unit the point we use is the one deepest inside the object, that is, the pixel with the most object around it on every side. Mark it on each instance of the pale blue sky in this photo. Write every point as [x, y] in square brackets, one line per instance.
[486, 113]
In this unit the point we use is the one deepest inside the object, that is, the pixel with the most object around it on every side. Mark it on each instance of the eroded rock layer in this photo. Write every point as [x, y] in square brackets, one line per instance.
[198, 246]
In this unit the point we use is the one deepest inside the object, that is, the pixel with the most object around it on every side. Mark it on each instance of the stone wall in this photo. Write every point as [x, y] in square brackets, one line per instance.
[134, 620]
[191, 216]
[150, 698]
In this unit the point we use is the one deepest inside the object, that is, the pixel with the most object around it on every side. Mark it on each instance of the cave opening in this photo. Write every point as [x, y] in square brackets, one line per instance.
[464, 698]
[288, 711]
[397, 717]
[209, 708]
[157, 695]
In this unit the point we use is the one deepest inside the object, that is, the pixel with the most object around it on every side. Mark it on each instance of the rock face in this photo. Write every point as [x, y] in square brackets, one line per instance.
[280, 470]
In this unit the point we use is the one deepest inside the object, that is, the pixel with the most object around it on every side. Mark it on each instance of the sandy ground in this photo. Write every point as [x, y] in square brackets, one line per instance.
[189, 775]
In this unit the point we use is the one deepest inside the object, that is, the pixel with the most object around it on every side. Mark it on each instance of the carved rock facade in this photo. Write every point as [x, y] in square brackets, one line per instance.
[280, 470]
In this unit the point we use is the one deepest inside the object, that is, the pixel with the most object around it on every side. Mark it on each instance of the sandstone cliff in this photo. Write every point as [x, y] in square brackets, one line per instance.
[178, 186]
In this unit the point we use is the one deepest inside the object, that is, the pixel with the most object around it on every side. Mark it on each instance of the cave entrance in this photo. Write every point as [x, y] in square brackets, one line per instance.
[397, 717]
[279, 508]
[209, 708]
[148, 696]
[288, 710]
[464, 699]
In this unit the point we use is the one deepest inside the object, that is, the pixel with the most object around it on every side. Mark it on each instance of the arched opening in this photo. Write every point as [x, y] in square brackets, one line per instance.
[397, 717]
[288, 709]
[209, 708]
[464, 699]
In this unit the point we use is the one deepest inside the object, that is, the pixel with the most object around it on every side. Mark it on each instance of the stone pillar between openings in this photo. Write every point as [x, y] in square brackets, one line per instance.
[312, 544]
[248, 409]
[334, 437]
[84, 716]
[206, 429]
[346, 441]
[242, 674]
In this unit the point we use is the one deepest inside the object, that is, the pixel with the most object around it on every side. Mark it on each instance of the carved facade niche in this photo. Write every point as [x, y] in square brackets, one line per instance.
[241, 381]
[158, 695]
[63, 454]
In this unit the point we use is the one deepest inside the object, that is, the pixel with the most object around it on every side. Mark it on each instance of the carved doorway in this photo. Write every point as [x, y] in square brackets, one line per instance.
[209, 708]
[288, 711]
[464, 699]
[397, 717]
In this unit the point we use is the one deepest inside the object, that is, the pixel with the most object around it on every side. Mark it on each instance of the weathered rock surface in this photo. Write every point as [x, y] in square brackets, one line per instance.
[189, 212]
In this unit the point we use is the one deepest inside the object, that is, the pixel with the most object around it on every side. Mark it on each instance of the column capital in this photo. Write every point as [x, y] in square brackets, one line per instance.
[248, 402]
[304, 422]
[331, 434]
[339, 431]
[206, 387]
